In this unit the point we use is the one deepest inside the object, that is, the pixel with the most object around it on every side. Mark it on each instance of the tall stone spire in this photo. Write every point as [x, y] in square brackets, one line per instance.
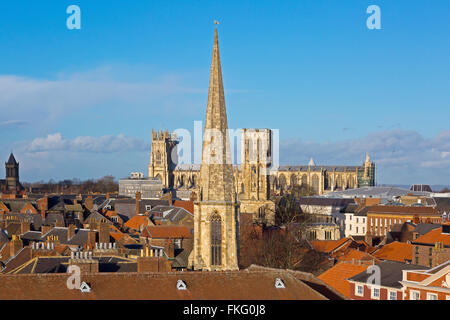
[216, 211]
[216, 170]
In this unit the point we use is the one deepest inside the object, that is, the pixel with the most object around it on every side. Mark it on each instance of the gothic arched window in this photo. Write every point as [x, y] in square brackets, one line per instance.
[216, 240]
[158, 157]
[315, 183]
[293, 180]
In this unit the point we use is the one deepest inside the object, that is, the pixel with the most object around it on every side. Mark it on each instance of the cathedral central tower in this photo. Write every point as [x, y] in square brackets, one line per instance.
[216, 213]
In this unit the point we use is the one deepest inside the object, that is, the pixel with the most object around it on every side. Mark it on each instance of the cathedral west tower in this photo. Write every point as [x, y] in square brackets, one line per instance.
[216, 211]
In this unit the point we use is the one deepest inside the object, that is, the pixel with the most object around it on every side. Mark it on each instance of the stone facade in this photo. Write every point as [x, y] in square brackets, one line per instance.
[149, 188]
[11, 183]
[216, 211]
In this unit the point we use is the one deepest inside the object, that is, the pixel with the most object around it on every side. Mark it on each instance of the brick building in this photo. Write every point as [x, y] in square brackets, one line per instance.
[381, 218]
[432, 248]
[428, 284]
[389, 287]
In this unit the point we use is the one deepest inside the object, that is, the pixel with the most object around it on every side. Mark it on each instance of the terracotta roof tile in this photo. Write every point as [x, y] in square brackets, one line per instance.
[354, 255]
[186, 205]
[395, 251]
[137, 221]
[228, 285]
[337, 276]
[167, 232]
[434, 236]
[328, 246]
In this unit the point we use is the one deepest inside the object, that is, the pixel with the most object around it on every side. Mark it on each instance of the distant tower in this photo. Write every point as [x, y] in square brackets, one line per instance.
[256, 157]
[12, 173]
[366, 176]
[216, 215]
[161, 162]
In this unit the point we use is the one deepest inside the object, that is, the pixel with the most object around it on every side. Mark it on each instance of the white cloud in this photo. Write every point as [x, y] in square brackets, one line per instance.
[103, 144]
[47, 100]
[400, 155]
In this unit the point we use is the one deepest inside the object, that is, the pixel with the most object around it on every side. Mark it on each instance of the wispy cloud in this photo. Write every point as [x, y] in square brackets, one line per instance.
[13, 123]
[104, 144]
[35, 100]
[401, 156]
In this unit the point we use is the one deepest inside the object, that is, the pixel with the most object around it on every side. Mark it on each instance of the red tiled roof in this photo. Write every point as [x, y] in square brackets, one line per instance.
[136, 222]
[328, 246]
[395, 251]
[354, 255]
[434, 236]
[167, 232]
[110, 213]
[337, 276]
[186, 205]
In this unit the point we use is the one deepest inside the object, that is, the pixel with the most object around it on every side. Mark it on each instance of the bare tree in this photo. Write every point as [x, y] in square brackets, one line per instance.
[284, 245]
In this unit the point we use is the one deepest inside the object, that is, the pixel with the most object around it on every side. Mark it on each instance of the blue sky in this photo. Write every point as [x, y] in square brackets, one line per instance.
[82, 103]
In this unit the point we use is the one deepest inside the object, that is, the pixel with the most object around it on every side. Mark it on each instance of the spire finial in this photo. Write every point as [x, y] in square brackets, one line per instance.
[216, 23]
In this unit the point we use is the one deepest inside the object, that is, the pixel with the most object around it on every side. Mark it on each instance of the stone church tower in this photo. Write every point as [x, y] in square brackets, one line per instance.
[12, 173]
[161, 162]
[216, 212]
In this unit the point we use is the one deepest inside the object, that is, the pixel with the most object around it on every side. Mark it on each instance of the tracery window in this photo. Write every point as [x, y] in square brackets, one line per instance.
[216, 240]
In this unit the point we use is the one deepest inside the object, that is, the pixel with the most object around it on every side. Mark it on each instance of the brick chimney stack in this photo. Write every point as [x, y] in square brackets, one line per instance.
[85, 262]
[45, 229]
[70, 231]
[138, 199]
[91, 239]
[43, 205]
[16, 245]
[24, 227]
[103, 236]
[169, 248]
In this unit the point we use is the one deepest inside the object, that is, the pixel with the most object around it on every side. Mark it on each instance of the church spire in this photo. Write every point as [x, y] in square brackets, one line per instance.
[216, 171]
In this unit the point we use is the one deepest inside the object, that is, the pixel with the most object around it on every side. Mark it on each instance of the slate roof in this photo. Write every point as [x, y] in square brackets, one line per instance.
[390, 272]
[423, 228]
[443, 204]
[59, 265]
[321, 201]
[79, 239]
[174, 214]
[15, 205]
[12, 160]
[3, 236]
[374, 192]
[181, 259]
[35, 219]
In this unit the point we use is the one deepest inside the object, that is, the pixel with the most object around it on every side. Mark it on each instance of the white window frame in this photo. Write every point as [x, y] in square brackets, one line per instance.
[392, 292]
[372, 290]
[411, 294]
[357, 286]
[447, 297]
[429, 295]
